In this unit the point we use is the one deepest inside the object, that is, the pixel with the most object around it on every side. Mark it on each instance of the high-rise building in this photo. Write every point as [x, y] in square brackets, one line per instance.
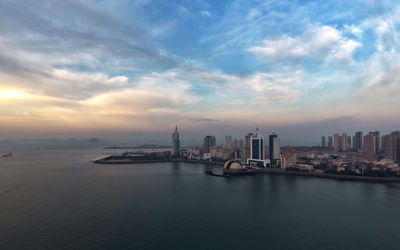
[175, 143]
[330, 143]
[377, 136]
[227, 142]
[209, 142]
[336, 142]
[348, 142]
[369, 147]
[274, 149]
[248, 140]
[344, 142]
[257, 151]
[391, 146]
[354, 142]
[323, 142]
[359, 140]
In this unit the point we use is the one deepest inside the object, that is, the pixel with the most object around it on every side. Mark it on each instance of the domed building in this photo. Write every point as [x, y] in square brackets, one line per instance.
[233, 165]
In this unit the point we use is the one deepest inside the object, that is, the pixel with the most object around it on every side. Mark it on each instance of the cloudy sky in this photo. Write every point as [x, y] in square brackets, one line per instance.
[109, 67]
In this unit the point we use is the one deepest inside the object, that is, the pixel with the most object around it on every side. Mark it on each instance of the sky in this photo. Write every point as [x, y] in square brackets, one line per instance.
[136, 68]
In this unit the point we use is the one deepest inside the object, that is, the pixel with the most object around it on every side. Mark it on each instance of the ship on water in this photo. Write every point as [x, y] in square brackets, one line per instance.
[8, 154]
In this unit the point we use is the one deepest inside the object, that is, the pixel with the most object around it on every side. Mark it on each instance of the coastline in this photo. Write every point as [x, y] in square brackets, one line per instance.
[272, 171]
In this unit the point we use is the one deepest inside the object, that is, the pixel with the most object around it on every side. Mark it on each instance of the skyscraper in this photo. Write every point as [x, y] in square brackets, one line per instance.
[227, 142]
[248, 139]
[336, 142]
[377, 136]
[323, 142]
[344, 142]
[391, 146]
[175, 143]
[359, 140]
[209, 142]
[330, 144]
[257, 151]
[274, 149]
[369, 147]
[348, 142]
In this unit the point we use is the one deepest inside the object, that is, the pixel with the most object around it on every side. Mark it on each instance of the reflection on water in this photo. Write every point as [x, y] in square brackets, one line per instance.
[59, 199]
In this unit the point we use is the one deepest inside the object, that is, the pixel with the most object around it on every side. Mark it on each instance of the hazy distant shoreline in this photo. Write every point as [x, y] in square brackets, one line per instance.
[273, 171]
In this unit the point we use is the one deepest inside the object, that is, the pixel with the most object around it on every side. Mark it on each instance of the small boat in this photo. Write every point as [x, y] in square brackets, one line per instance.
[8, 154]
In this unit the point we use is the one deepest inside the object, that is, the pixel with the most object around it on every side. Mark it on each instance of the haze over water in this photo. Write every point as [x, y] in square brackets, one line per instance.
[59, 199]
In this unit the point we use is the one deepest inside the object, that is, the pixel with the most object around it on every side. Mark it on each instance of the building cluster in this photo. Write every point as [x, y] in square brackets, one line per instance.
[373, 146]
[371, 154]
[251, 150]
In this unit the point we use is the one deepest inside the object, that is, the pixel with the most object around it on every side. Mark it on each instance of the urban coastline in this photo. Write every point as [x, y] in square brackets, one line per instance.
[363, 161]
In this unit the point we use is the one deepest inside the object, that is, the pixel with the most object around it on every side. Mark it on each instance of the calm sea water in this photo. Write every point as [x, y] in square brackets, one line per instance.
[58, 199]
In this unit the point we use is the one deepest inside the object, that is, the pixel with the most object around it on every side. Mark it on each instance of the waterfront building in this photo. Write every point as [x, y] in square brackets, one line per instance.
[289, 159]
[323, 142]
[209, 142]
[227, 142]
[175, 143]
[359, 140]
[369, 147]
[330, 144]
[257, 151]
[344, 142]
[274, 149]
[336, 142]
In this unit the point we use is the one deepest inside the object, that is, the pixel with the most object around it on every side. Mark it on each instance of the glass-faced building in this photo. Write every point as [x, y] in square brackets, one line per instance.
[257, 151]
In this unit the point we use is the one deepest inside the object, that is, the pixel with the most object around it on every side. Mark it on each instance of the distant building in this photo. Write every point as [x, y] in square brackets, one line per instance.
[289, 158]
[227, 142]
[344, 142]
[391, 146]
[377, 136]
[348, 142]
[369, 147]
[323, 144]
[248, 140]
[175, 143]
[274, 149]
[336, 142]
[209, 142]
[330, 144]
[354, 142]
[359, 140]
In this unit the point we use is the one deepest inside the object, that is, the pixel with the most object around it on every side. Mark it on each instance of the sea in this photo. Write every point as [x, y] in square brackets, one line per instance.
[57, 198]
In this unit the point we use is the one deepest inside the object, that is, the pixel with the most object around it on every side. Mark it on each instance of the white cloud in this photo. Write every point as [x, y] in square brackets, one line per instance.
[318, 42]
[354, 30]
[205, 13]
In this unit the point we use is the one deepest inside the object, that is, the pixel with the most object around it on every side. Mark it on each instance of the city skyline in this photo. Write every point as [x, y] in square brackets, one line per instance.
[299, 69]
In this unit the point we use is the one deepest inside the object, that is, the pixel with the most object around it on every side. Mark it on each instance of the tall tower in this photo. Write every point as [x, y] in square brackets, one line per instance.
[323, 142]
[227, 142]
[209, 143]
[257, 146]
[257, 151]
[336, 142]
[274, 149]
[344, 142]
[175, 143]
[377, 136]
[330, 143]
[369, 147]
[359, 140]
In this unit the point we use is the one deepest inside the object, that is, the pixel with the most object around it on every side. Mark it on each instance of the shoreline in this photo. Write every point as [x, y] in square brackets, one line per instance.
[271, 171]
